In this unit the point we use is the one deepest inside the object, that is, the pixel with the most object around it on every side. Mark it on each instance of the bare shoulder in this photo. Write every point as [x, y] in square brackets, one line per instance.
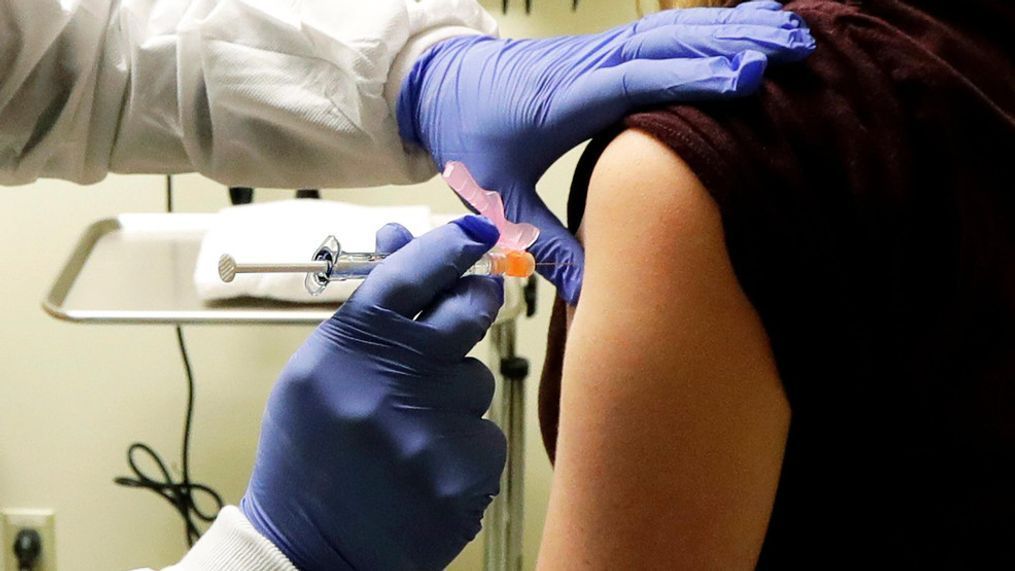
[642, 189]
[673, 419]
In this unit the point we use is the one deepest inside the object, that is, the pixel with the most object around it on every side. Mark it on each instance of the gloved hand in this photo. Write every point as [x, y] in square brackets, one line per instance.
[510, 108]
[373, 451]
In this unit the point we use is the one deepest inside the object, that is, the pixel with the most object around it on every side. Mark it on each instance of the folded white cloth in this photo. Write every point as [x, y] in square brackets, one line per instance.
[287, 231]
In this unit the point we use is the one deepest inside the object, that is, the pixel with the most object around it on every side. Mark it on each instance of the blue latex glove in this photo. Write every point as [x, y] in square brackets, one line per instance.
[373, 452]
[510, 108]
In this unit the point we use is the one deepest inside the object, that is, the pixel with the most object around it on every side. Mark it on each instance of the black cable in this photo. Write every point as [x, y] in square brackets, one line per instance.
[169, 193]
[180, 494]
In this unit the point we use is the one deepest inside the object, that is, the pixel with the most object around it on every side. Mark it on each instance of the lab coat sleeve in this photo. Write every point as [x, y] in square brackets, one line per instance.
[269, 93]
[232, 544]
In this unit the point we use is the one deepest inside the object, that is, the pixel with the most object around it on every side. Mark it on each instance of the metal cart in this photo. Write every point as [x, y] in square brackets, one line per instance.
[110, 278]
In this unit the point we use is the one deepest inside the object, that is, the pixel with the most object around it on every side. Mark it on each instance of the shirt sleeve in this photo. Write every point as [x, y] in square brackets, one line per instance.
[232, 544]
[247, 92]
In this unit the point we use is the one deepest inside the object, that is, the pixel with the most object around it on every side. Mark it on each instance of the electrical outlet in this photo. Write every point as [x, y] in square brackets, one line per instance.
[14, 520]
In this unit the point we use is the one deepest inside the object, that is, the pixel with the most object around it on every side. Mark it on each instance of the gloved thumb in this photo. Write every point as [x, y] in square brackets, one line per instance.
[559, 257]
[391, 237]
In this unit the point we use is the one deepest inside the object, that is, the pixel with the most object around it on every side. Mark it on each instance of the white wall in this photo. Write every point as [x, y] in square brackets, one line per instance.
[73, 397]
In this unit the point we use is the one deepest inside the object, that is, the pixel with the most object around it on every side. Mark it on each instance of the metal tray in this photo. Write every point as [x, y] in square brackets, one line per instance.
[138, 268]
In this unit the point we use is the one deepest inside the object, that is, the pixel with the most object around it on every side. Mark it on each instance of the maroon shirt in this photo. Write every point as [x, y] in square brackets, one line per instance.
[868, 203]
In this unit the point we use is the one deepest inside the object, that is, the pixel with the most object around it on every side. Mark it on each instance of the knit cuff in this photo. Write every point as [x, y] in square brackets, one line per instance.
[232, 544]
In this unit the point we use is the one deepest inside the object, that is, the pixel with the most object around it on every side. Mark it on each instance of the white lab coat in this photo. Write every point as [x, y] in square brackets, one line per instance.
[269, 93]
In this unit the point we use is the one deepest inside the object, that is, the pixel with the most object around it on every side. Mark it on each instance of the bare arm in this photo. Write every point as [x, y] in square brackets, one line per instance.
[673, 419]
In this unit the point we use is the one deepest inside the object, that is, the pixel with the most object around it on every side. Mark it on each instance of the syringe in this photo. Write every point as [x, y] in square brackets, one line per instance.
[330, 264]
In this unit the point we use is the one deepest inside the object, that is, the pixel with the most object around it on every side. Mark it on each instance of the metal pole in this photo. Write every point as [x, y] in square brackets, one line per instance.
[503, 548]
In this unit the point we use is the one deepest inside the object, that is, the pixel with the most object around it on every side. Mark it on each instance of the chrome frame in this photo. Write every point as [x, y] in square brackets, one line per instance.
[505, 516]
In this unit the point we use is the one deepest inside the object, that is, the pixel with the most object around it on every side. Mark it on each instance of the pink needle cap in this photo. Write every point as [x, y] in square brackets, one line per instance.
[513, 236]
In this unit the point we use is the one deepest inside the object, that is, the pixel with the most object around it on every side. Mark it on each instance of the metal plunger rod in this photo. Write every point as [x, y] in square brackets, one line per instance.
[228, 268]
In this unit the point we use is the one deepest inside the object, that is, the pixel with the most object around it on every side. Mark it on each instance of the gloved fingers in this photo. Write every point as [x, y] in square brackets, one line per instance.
[473, 462]
[409, 280]
[472, 455]
[761, 5]
[391, 237]
[491, 448]
[559, 257]
[462, 315]
[763, 13]
[470, 389]
[720, 40]
[649, 82]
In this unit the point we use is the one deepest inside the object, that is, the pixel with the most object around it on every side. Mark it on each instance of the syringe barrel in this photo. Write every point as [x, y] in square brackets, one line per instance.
[484, 267]
[358, 265]
[343, 265]
[354, 265]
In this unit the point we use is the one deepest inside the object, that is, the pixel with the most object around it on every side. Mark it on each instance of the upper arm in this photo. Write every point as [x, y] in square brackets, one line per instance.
[673, 419]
